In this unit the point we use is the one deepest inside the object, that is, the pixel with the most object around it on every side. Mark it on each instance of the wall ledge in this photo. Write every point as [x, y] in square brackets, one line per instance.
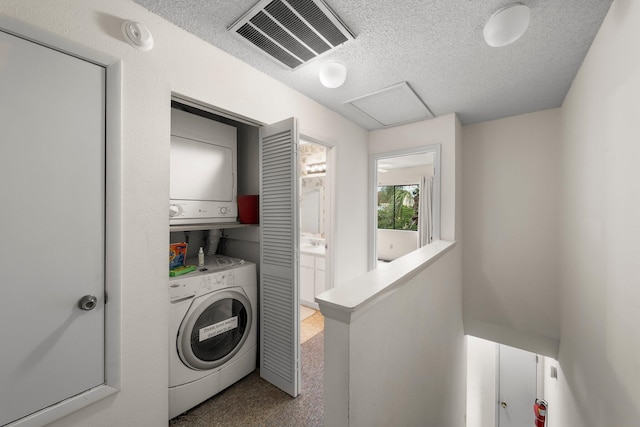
[346, 302]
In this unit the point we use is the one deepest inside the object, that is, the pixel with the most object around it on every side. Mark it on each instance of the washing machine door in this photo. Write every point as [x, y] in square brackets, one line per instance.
[214, 329]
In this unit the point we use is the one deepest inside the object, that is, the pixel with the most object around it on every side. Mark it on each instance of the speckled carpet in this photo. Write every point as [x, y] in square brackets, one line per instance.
[253, 402]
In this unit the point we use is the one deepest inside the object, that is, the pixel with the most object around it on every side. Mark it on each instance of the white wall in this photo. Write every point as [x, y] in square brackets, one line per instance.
[392, 244]
[442, 130]
[407, 356]
[599, 351]
[510, 196]
[186, 65]
[401, 358]
[481, 382]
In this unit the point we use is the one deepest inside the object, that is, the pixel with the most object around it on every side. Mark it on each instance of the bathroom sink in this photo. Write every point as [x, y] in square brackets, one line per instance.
[308, 247]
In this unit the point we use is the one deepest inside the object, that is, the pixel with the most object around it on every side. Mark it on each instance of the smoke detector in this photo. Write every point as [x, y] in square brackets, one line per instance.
[137, 35]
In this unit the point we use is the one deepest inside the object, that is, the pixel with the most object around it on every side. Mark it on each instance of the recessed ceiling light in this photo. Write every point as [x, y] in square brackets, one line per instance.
[507, 25]
[333, 74]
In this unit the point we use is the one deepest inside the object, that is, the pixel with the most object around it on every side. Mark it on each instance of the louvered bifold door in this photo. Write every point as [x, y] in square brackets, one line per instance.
[279, 318]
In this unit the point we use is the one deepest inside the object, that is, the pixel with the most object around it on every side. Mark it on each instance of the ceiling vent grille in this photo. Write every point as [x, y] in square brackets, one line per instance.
[292, 32]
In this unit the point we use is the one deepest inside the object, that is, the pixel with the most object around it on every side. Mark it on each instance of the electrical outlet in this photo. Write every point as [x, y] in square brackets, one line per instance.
[554, 372]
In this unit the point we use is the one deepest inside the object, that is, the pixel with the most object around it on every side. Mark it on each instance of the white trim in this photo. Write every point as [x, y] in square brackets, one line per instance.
[44, 38]
[191, 102]
[373, 193]
[330, 213]
[347, 302]
[64, 408]
[113, 217]
[496, 411]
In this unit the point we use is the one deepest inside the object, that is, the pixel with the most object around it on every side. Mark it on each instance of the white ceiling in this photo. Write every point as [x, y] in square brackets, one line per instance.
[436, 46]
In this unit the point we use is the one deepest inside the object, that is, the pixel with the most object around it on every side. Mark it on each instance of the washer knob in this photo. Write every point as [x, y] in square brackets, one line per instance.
[224, 210]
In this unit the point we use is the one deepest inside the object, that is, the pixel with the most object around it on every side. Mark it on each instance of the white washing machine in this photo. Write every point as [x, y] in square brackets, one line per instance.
[212, 330]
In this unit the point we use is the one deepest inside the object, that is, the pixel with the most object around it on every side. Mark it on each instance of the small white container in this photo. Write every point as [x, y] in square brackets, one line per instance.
[200, 257]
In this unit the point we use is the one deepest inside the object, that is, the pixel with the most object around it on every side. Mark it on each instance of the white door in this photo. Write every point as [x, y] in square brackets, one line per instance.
[52, 180]
[280, 248]
[517, 387]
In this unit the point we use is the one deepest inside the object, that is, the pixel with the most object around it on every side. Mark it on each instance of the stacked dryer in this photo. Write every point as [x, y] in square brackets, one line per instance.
[212, 330]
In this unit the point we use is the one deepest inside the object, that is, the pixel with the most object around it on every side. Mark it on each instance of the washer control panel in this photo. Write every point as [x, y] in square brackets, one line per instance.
[184, 287]
[218, 272]
[215, 281]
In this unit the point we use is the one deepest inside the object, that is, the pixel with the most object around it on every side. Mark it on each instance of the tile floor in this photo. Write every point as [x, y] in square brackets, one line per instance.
[311, 324]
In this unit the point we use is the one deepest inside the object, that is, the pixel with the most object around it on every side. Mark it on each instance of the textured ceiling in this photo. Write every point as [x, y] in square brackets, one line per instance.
[434, 45]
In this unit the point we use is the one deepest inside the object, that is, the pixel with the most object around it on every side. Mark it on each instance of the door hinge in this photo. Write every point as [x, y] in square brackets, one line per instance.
[106, 297]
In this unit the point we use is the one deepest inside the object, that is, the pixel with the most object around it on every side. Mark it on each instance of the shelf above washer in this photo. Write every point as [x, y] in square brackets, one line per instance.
[208, 226]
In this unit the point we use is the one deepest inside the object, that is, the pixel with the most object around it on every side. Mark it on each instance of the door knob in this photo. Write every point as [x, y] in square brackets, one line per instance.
[88, 302]
[504, 405]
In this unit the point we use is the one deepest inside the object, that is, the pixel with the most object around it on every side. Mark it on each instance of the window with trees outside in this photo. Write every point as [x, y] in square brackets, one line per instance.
[398, 207]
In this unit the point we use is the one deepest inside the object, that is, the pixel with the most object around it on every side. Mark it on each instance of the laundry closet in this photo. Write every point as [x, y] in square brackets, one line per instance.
[233, 290]
[213, 291]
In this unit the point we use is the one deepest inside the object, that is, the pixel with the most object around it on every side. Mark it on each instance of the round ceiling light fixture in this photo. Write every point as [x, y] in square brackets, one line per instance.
[137, 35]
[333, 74]
[507, 25]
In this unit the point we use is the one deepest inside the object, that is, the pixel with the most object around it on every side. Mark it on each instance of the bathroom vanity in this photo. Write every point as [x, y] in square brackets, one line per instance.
[312, 271]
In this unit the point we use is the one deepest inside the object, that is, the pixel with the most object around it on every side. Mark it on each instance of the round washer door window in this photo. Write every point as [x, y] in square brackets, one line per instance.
[215, 330]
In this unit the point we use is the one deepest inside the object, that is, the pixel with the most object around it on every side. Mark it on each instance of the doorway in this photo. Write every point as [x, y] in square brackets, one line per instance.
[503, 383]
[405, 208]
[315, 223]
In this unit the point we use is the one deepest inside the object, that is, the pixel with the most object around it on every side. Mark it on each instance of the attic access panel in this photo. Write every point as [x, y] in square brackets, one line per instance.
[393, 105]
[292, 32]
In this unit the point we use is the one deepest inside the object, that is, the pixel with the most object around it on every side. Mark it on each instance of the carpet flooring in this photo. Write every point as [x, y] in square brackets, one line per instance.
[253, 402]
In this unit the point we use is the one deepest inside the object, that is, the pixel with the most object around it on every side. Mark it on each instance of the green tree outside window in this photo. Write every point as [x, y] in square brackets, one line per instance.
[398, 207]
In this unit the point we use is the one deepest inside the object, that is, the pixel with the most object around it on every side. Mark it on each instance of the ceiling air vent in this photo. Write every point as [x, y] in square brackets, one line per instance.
[292, 31]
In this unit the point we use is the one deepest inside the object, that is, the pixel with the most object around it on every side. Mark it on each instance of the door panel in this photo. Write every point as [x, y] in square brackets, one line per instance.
[517, 387]
[320, 281]
[52, 169]
[307, 284]
[279, 275]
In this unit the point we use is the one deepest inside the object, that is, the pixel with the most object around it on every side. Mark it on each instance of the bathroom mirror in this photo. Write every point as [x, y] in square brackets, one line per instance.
[312, 205]
[405, 202]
